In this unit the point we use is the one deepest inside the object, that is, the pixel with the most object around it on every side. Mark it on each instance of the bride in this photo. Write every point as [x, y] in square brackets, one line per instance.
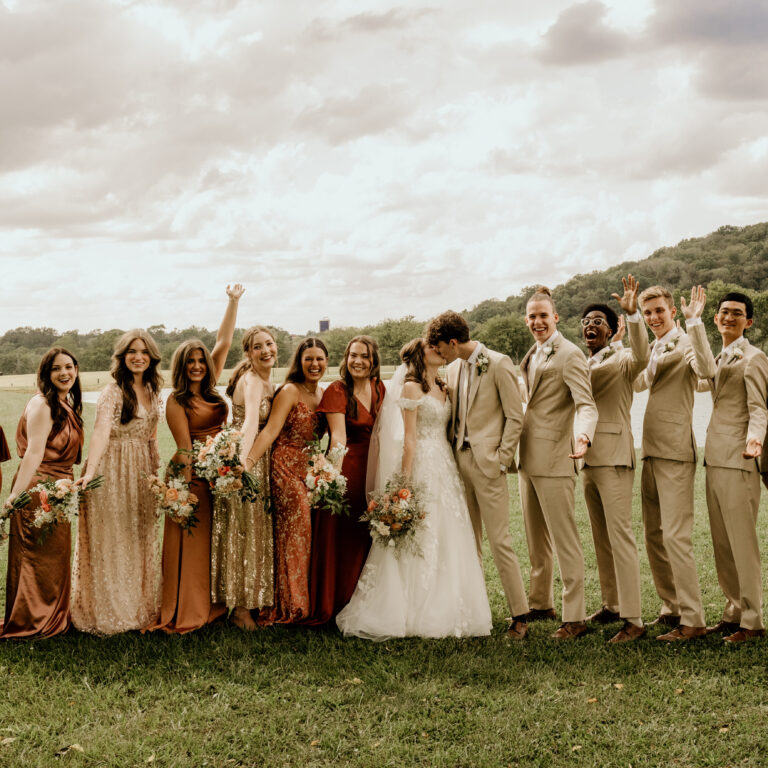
[438, 590]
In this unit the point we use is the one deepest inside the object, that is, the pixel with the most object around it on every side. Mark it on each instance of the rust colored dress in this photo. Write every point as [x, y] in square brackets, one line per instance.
[293, 522]
[5, 454]
[186, 594]
[340, 544]
[37, 581]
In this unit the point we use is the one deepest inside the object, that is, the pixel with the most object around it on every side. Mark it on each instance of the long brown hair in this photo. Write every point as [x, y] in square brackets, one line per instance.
[51, 395]
[181, 391]
[245, 364]
[412, 354]
[295, 373]
[124, 377]
[375, 374]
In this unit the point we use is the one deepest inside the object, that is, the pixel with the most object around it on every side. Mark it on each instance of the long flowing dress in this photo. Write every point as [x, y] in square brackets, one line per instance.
[38, 582]
[116, 569]
[242, 539]
[5, 454]
[293, 522]
[186, 594]
[439, 589]
[340, 543]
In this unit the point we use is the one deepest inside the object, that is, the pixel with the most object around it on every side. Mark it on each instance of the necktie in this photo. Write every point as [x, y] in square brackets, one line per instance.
[463, 400]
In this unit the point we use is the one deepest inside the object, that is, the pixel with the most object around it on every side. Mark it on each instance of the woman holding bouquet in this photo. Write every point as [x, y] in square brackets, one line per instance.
[49, 440]
[194, 411]
[242, 540]
[115, 583]
[291, 426]
[340, 543]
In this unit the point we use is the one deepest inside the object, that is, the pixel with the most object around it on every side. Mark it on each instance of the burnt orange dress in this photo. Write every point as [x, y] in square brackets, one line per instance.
[5, 454]
[186, 597]
[37, 581]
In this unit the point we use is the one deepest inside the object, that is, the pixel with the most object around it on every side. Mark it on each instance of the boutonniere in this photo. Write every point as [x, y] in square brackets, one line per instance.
[608, 353]
[549, 350]
[670, 345]
[736, 354]
[481, 364]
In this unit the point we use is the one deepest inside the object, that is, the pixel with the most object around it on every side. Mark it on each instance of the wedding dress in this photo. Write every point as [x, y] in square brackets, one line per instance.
[437, 588]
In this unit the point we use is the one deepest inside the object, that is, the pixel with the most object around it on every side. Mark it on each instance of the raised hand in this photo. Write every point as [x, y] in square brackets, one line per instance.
[620, 331]
[235, 292]
[696, 307]
[628, 302]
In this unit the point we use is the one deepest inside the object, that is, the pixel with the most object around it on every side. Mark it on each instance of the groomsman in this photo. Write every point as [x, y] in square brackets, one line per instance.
[609, 464]
[678, 360]
[734, 444]
[556, 386]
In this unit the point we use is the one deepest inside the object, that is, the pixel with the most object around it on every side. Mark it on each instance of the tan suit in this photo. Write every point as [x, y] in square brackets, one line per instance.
[609, 470]
[560, 390]
[739, 392]
[669, 468]
[494, 419]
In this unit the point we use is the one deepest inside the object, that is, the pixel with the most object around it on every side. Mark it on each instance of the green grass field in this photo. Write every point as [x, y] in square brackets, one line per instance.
[300, 697]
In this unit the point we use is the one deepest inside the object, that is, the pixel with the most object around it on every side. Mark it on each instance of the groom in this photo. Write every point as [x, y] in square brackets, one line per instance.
[485, 426]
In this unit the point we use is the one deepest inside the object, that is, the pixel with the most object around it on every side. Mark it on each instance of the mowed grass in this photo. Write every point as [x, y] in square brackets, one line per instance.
[307, 697]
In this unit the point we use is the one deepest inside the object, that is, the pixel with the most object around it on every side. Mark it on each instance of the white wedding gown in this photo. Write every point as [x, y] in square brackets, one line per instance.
[439, 591]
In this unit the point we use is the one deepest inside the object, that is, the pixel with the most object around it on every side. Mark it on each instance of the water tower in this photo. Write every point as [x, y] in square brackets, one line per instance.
[325, 324]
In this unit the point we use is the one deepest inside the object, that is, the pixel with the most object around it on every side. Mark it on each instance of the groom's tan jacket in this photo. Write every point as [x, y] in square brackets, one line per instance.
[494, 411]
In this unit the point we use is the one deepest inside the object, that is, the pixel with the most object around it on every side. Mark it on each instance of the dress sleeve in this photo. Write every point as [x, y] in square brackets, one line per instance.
[108, 409]
[410, 405]
[5, 454]
[334, 399]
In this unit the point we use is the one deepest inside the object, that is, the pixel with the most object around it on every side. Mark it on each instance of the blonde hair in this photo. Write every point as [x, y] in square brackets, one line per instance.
[542, 293]
[245, 364]
[656, 292]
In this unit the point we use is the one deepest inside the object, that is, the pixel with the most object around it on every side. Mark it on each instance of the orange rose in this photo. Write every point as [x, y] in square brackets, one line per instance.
[223, 471]
[404, 493]
[371, 505]
[396, 526]
[171, 494]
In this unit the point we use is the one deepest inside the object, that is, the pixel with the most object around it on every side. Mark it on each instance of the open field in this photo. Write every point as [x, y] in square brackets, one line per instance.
[285, 697]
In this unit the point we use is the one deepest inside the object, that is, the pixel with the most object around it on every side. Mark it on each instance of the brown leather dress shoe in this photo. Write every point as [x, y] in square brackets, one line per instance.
[683, 633]
[518, 630]
[665, 620]
[628, 633]
[723, 627]
[570, 630]
[541, 614]
[604, 616]
[744, 635]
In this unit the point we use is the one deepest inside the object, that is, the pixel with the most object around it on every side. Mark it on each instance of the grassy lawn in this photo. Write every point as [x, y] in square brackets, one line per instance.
[285, 697]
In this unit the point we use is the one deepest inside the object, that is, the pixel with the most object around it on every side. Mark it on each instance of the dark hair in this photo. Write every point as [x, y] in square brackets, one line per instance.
[742, 299]
[295, 373]
[48, 391]
[610, 315]
[181, 391]
[346, 376]
[124, 377]
[446, 326]
[412, 354]
[542, 293]
[245, 364]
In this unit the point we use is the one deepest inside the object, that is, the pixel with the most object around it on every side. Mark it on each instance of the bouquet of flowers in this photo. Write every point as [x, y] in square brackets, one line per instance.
[394, 514]
[217, 460]
[174, 499]
[326, 486]
[59, 503]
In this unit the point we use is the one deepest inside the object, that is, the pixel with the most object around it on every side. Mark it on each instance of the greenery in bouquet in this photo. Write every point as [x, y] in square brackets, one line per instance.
[326, 486]
[173, 497]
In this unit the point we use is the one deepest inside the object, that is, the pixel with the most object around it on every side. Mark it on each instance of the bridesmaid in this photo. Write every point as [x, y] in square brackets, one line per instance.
[115, 584]
[291, 425]
[340, 544]
[49, 439]
[242, 559]
[194, 411]
[5, 454]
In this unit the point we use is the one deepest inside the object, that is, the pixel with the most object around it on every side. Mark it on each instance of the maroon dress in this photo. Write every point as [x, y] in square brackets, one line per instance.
[340, 543]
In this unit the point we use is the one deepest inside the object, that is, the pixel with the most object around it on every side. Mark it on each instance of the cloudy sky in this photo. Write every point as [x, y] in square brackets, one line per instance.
[359, 159]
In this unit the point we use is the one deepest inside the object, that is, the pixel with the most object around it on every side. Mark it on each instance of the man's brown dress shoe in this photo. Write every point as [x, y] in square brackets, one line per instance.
[570, 630]
[540, 614]
[723, 627]
[744, 635]
[683, 633]
[628, 633]
[665, 620]
[518, 629]
[604, 616]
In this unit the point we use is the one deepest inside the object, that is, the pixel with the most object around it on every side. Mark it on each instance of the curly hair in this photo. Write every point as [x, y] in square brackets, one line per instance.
[446, 326]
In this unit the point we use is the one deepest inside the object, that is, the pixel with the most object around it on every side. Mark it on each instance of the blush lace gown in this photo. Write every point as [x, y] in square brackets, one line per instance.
[439, 591]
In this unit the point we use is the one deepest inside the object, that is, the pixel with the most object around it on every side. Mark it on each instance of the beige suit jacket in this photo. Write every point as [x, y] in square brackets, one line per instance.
[739, 392]
[560, 390]
[668, 422]
[612, 380]
[494, 412]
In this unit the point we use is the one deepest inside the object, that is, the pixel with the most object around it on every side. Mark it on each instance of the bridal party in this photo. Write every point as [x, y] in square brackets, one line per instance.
[362, 504]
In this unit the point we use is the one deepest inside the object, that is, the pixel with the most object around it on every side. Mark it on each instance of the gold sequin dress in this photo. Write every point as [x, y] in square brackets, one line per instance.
[116, 571]
[242, 540]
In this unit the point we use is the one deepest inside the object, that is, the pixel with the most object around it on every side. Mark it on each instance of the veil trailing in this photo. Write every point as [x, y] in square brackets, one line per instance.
[385, 455]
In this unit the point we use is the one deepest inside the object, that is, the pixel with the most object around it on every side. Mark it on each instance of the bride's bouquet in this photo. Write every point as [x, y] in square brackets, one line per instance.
[59, 503]
[395, 513]
[173, 497]
[326, 486]
[217, 460]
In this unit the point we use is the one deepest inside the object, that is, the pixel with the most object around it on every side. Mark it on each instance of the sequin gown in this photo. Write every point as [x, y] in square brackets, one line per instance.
[116, 570]
[186, 594]
[242, 540]
[38, 581]
[293, 522]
